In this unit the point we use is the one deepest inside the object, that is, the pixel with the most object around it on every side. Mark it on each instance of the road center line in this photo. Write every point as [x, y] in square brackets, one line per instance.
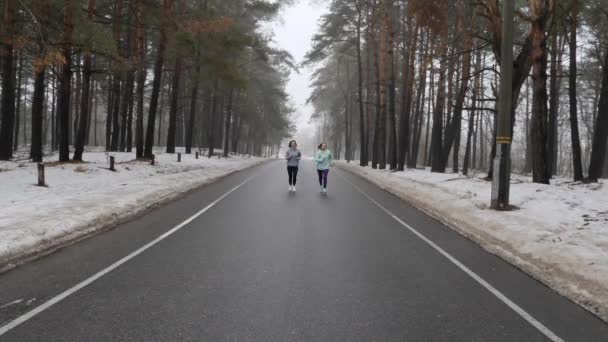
[521, 312]
[30, 314]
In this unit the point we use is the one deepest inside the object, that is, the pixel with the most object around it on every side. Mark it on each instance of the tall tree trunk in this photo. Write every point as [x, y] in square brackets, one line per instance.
[87, 71]
[574, 133]
[600, 135]
[177, 72]
[87, 140]
[158, 68]
[118, 77]
[382, 100]
[420, 102]
[228, 122]
[480, 127]
[528, 156]
[471, 129]
[236, 126]
[37, 113]
[452, 136]
[392, 143]
[212, 116]
[140, 56]
[77, 92]
[378, 97]
[18, 103]
[193, 101]
[540, 166]
[363, 159]
[38, 102]
[65, 79]
[24, 106]
[127, 94]
[54, 113]
[110, 104]
[8, 80]
[163, 93]
[437, 135]
[553, 106]
[370, 68]
[95, 106]
[427, 148]
[406, 94]
[130, 100]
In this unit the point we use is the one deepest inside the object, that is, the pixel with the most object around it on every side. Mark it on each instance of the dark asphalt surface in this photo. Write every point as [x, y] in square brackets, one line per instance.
[268, 265]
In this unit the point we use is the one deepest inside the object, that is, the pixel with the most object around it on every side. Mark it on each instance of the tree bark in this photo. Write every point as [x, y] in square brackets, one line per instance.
[212, 116]
[37, 114]
[65, 79]
[118, 78]
[453, 130]
[574, 132]
[437, 134]
[110, 103]
[158, 68]
[363, 159]
[382, 83]
[540, 166]
[77, 93]
[177, 72]
[8, 80]
[227, 122]
[392, 143]
[600, 136]
[127, 95]
[406, 95]
[87, 71]
[471, 129]
[18, 103]
[140, 57]
[420, 103]
[553, 106]
[193, 101]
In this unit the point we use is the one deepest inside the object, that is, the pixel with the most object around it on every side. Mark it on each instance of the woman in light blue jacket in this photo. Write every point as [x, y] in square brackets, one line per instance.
[324, 161]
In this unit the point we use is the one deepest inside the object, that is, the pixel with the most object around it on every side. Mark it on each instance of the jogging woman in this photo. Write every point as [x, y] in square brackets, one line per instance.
[293, 156]
[324, 161]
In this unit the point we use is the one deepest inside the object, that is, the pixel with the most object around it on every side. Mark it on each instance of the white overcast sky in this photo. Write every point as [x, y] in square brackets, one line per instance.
[293, 32]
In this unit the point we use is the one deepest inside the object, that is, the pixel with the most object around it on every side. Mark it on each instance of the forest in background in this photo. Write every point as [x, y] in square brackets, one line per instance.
[134, 74]
[414, 83]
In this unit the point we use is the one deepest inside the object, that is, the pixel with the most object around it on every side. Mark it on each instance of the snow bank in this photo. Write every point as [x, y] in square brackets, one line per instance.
[85, 197]
[558, 234]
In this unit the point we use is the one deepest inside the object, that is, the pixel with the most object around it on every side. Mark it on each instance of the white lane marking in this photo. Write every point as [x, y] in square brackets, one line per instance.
[525, 315]
[11, 303]
[27, 316]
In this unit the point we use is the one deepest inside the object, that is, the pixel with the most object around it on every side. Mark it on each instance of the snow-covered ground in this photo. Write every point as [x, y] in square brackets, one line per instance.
[85, 197]
[558, 233]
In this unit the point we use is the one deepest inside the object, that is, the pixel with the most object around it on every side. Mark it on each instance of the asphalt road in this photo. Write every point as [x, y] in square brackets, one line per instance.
[261, 264]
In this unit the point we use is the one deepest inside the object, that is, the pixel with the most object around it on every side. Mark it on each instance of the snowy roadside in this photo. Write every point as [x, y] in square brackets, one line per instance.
[558, 234]
[86, 197]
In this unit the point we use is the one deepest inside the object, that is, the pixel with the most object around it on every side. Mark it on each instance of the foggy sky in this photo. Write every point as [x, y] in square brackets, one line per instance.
[293, 32]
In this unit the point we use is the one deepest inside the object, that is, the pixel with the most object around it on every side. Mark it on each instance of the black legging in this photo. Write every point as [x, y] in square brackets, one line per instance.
[292, 171]
[323, 178]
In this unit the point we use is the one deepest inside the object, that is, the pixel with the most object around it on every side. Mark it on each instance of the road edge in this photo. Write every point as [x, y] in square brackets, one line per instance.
[95, 227]
[548, 274]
